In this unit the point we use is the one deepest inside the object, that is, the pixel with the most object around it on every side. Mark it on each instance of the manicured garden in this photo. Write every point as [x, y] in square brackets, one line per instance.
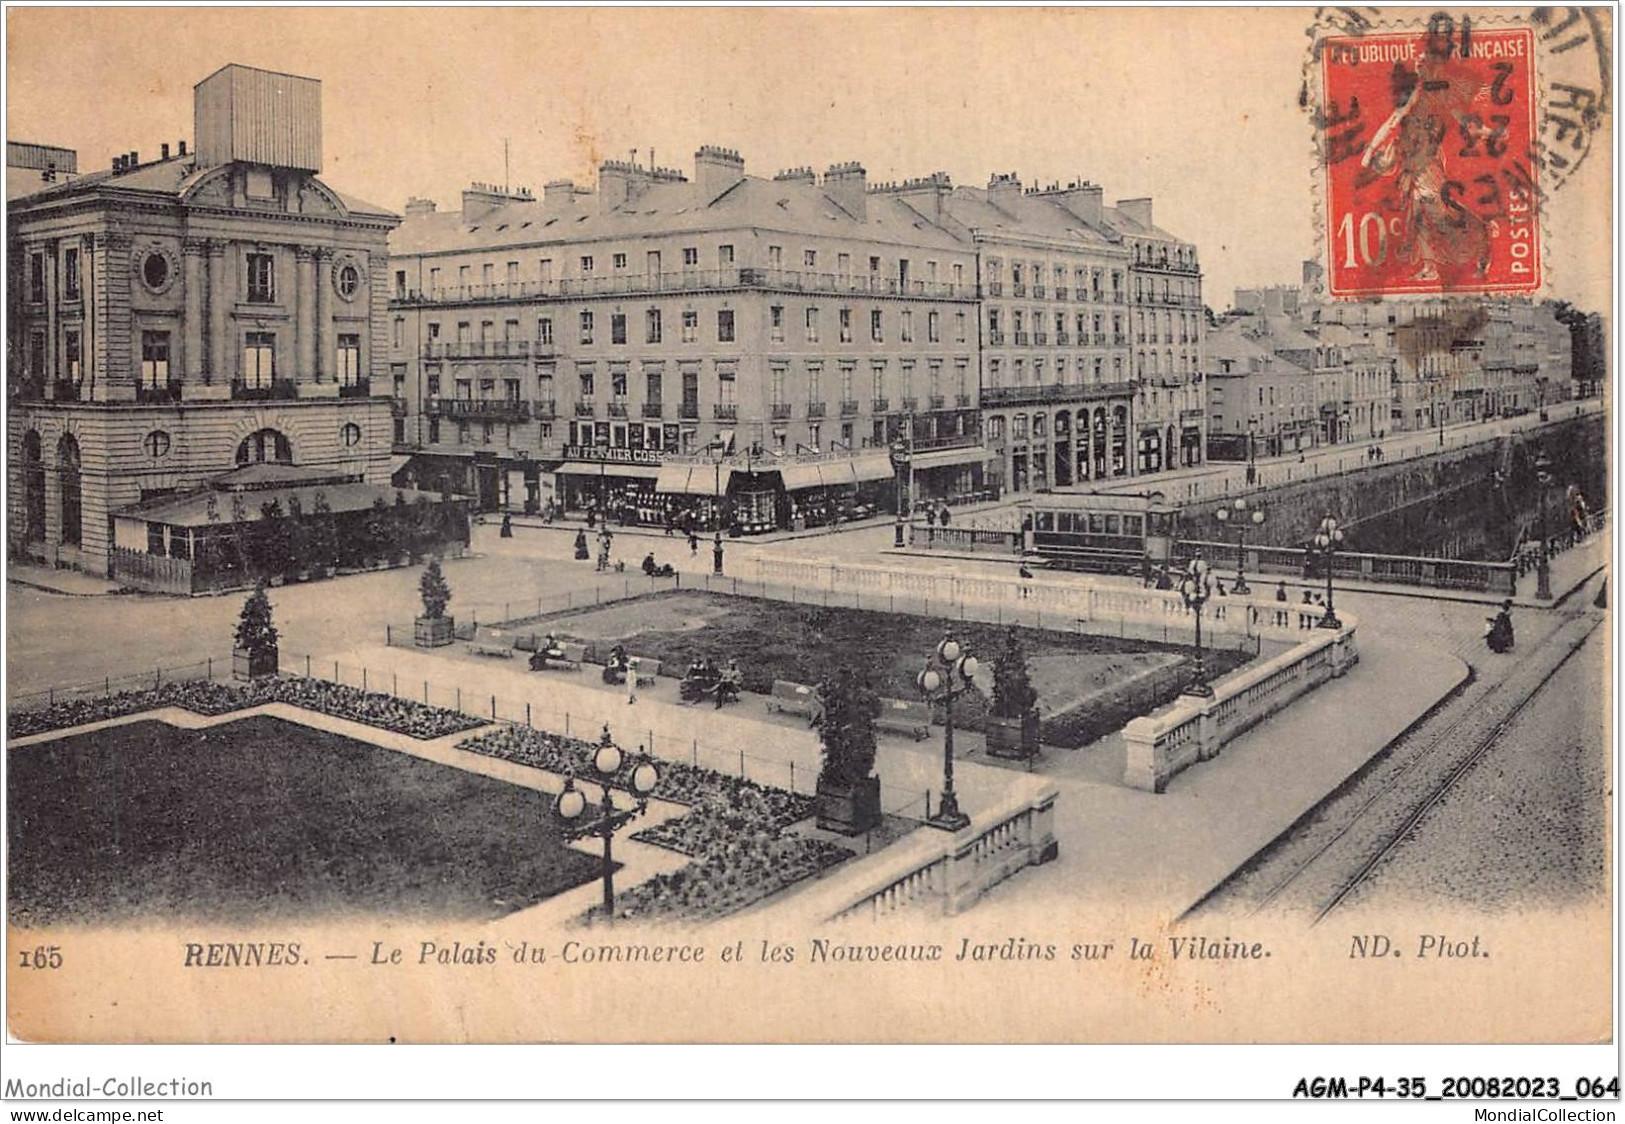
[1088, 686]
[259, 820]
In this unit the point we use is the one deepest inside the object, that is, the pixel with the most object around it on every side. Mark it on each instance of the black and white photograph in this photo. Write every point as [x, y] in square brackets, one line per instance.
[809, 525]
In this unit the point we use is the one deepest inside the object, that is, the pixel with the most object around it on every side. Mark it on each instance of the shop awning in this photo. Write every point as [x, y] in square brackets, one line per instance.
[691, 479]
[873, 466]
[672, 478]
[939, 458]
[838, 474]
[798, 476]
[607, 468]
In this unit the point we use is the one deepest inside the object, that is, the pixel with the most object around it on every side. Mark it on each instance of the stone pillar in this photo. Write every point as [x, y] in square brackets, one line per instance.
[305, 315]
[116, 336]
[89, 324]
[192, 251]
[324, 317]
[53, 346]
[221, 294]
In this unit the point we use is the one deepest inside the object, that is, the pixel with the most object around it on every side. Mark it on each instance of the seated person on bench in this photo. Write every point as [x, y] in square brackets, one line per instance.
[615, 669]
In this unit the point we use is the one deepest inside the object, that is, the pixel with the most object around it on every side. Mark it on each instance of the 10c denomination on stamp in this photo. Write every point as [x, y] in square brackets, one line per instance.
[1427, 139]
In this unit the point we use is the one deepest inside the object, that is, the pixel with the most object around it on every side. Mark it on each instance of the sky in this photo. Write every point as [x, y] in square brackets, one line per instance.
[1196, 108]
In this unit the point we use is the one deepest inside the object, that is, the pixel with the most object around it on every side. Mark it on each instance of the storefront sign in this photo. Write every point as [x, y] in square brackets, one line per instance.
[614, 456]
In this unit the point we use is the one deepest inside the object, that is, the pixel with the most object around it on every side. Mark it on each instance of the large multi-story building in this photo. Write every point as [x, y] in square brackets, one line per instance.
[754, 349]
[175, 320]
[664, 342]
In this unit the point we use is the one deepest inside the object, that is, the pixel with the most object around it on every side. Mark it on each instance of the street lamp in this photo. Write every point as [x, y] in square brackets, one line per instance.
[571, 805]
[1543, 569]
[1241, 514]
[1328, 539]
[949, 673]
[1195, 587]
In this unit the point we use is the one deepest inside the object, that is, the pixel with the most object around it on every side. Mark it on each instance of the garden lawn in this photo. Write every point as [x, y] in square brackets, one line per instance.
[261, 820]
[1088, 686]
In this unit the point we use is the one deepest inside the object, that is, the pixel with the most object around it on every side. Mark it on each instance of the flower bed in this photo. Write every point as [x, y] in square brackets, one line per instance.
[203, 696]
[734, 830]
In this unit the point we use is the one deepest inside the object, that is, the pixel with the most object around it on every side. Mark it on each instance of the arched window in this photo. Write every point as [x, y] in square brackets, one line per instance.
[265, 445]
[67, 471]
[33, 488]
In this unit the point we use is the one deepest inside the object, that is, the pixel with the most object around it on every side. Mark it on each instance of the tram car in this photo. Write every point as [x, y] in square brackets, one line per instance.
[1103, 533]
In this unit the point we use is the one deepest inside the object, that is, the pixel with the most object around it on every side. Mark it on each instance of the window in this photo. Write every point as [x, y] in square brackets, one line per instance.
[617, 385]
[434, 386]
[510, 330]
[398, 333]
[776, 383]
[70, 275]
[586, 327]
[651, 326]
[544, 329]
[725, 256]
[350, 434]
[586, 376]
[617, 261]
[725, 385]
[261, 278]
[691, 257]
[775, 324]
[154, 359]
[156, 444]
[812, 325]
[959, 275]
[691, 327]
[995, 429]
[71, 354]
[265, 445]
[843, 264]
[464, 278]
[846, 325]
[908, 326]
[933, 328]
[652, 386]
[815, 374]
[1018, 427]
[846, 382]
[960, 327]
[485, 330]
[349, 359]
[809, 258]
[725, 325]
[617, 327]
[36, 277]
[877, 372]
[349, 280]
[259, 359]
[691, 391]
[876, 332]
[586, 263]
[775, 256]
[814, 435]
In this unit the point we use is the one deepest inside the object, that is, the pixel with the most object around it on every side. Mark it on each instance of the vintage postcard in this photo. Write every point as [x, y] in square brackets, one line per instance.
[810, 525]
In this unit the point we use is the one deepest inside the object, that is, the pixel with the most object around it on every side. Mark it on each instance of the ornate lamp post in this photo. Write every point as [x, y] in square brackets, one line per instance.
[1195, 587]
[572, 804]
[948, 674]
[1543, 568]
[1328, 539]
[1241, 513]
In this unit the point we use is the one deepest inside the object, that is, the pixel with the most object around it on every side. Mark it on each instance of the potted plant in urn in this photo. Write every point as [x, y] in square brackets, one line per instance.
[1012, 727]
[255, 654]
[848, 789]
[434, 629]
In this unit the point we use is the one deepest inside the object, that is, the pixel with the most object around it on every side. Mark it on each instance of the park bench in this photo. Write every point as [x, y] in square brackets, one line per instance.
[900, 717]
[794, 698]
[492, 642]
[573, 651]
[648, 668]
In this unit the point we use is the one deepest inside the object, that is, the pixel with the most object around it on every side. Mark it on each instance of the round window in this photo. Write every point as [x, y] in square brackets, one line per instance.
[156, 443]
[351, 433]
[349, 281]
[155, 271]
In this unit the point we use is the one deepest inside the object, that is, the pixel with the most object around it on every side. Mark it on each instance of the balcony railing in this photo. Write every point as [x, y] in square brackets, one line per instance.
[654, 409]
[466, 294]
[274, 390]
[995, 339]
[1040, 339]
[1052, 392]
[910, 405]
[361, 388]
[1023, 339]
[815, 409]
[780, 410]
[496, 409]
[397, 407]
[586, 408]
[1063, 339]
[880, 405]
[693, 280]
[617, 408]
[995, 288]
[166, 392]
[849, 407]
[485, 349]
[1060, 292]
[545, 408]
[725, 411]
[1120, 339]
[1038, 291]
[947, 441]
[937, 401]
[689, 411]
[1018, 289]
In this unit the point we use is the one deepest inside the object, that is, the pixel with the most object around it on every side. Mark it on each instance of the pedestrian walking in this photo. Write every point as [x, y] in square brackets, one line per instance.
[1280, 591]
[693, 543]
[944, 515]
[716, 555]
[930, 517]
[631, 680]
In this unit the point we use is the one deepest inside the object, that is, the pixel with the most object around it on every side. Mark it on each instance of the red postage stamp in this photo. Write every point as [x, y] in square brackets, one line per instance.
[1427, 141]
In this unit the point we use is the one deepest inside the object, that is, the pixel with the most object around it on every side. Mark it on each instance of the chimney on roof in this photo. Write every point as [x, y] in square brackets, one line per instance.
[558, 197]
[848, 185]
[118, 165]
[716, 170]
[1003, 189]
[135, 159]
[802, 175]
[480, 199]
[163, 152]
[928, 194]
[182, 151]
[419, 206]
[621, 182]
[1083, 199]
[1137, 209]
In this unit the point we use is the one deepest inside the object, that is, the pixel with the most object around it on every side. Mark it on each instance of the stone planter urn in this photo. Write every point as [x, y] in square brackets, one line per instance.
[1015, 738]
[248, 663]
[849, 809]
[433, 632]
